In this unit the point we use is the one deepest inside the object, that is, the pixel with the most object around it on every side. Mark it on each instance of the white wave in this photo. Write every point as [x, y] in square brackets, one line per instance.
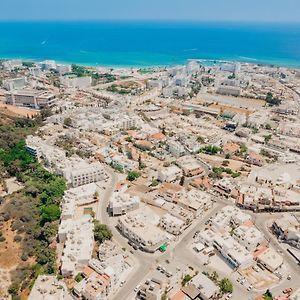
[247, 58]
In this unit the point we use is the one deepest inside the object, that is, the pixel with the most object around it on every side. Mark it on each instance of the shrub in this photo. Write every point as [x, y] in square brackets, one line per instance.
[24, 256]
[226, 286]
[17, 238]
[133, 175]
[102, 232]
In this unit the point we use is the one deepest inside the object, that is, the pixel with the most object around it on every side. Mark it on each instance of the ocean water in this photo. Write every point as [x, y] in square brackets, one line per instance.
[141, 44]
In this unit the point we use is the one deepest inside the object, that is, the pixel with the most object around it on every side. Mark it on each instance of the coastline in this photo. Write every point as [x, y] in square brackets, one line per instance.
[251, 61]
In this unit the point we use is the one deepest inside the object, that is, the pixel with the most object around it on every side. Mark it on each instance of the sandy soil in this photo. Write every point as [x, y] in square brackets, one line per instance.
[17, 111]
[216, 161]
[10, 251]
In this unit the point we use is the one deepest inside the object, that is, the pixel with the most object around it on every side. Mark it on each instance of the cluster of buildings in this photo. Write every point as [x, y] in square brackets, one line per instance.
[233, 234]
[189, 136]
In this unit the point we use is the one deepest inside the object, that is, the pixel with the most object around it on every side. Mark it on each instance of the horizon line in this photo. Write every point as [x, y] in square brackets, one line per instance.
[152, 21]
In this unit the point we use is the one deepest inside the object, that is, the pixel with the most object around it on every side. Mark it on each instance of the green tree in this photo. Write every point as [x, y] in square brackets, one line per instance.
[186, 279]
[225, 163]
[214, 276]
[101, 232]
[268, 126]
[210, 149]
[226, 286]
[154, 182]
[79, 277]
[268, 295]
[13, 289]
[133, 175]
[68, 122]
[267, 138]
[50, 213]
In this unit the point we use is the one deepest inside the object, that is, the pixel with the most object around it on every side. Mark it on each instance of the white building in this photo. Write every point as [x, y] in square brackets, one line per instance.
[35, 71]
[12, 64]
[15, 83]
[78, 244]
[84, 174]
[71, 81]
[175, 148]
[30, 98]
[172, 224]
[154, 83]
[190, 166]
[230, 67]
[121, 203]
[47, 65]
[237, 255]
[141, 227]
[206, 288]
[169, 174]
[63, 69]
[48, 287]
[249, 237]
[227, 215]
[270, 259]
[82, 195]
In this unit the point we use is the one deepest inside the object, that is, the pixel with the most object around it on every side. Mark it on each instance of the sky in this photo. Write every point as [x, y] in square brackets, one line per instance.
[175, 10]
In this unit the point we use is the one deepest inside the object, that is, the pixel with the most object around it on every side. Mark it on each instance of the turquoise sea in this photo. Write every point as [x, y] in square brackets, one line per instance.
[143, 44]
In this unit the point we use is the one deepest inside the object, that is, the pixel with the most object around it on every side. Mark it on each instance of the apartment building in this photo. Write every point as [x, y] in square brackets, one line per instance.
[175, 148]
[190, 166]
[270, 259]
[47, 287]
[288, 229]
[15, 83]
[78, 238]
[121, 203]
[71, 81]
[141, 227]
[236, 254]
[248, 236]
[94, 286]
[30, 98]
[74, 197]
[170, 191]
[86, 174]
[201, 287]
[172, 224]
[169, 174]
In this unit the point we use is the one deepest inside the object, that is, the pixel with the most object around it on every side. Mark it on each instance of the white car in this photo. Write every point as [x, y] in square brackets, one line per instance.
[250, 287]
[136, 288]
[228, 296]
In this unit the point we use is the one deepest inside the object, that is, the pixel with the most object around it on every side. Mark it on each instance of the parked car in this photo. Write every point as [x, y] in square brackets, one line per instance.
[136, 288]
[287, 290]
[255, 268]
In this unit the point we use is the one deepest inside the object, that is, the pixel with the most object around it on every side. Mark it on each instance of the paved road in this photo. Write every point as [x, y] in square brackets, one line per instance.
[261, 221]
[182, 253]
[144, 262]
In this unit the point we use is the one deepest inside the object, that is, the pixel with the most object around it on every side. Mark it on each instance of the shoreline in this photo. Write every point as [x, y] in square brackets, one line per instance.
[251, 61]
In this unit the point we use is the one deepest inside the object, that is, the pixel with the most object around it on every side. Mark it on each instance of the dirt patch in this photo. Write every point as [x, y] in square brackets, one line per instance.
[231, 109]
[10, 251]
[15, 111]
[260, 280]
[216, 161]
[4, 283]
